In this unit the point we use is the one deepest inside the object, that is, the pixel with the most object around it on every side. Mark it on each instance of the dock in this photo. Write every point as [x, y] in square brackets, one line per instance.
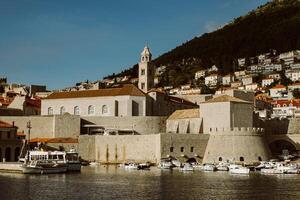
[13, 167]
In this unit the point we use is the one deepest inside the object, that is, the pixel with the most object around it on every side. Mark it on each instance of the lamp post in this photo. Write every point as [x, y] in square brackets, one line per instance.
[28, 138]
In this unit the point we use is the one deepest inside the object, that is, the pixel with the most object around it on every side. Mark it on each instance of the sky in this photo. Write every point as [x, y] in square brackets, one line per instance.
[60, 42]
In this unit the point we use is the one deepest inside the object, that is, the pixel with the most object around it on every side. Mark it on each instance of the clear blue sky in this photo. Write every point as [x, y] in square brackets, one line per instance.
[61, 42]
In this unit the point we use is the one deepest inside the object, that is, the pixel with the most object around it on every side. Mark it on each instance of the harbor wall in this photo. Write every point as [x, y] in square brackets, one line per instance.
[112, 149]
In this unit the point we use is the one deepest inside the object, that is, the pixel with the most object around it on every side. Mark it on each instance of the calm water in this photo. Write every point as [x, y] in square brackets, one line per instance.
[116, 183]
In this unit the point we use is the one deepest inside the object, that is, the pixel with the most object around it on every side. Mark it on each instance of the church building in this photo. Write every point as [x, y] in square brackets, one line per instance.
[126, 100]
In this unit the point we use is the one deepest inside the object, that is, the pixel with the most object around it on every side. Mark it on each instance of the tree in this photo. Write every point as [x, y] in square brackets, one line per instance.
[296, 93]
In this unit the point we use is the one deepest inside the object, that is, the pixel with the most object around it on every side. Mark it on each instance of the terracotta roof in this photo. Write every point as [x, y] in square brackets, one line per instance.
[278, 87]
[179, 100]
[128, 89]
[54, 140]
[5, 125]
[226, 98]
[184, 114]
[21, 134]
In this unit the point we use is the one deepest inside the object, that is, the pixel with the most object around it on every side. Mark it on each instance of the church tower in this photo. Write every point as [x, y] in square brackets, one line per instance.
[146, 71]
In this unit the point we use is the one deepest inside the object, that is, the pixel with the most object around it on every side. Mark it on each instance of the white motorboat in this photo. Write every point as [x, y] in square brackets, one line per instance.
[131, 166]
[270, 171]
[144, 166]
[238, 169]
[222, 166]
[287, 169]
[209, 167]
[165, 165]
[187, 167]
[176, 163]
[198, 166]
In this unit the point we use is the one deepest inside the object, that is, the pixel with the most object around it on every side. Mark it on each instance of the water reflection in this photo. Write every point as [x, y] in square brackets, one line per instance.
[113, 182]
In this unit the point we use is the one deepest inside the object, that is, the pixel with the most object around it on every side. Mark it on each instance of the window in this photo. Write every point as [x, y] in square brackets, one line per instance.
[76, 110]
[220, 159]
[143, 86]
[143, 72]
[91, 110]
[50, 111]
[171, 149]
[62, 110]
[192, 149]
[8, 134]
[104, 109]
[259, 158]
[241, 158]
[181, 149]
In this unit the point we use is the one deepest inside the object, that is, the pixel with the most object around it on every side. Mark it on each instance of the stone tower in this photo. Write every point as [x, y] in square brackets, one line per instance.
[146, 71]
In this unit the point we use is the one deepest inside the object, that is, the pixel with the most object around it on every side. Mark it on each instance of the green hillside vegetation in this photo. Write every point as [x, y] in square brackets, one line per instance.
[275, 25]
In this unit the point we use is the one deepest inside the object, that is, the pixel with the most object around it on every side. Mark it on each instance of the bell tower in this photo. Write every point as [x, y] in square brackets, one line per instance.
[146, 71]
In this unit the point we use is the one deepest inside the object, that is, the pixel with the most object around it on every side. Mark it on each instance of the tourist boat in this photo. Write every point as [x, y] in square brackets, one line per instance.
[72, 161]
[238, 169]
[209, 167]
[44, 167]
[187, 167]
[51, 159]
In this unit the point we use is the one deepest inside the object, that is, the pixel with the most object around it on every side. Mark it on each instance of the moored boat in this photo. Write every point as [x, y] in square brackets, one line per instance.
[187, 167]
[209, 167]
[43, 167]
[238, 169]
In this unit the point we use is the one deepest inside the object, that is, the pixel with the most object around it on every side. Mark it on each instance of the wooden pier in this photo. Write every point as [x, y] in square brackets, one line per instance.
[13, 167]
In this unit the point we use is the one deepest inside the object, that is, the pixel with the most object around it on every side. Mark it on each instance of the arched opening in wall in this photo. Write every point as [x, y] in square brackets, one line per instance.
[259, 158]
[241, 158]
[220, 159]
[17, 153]
[279, 146]
[191, 160]
[7, 154]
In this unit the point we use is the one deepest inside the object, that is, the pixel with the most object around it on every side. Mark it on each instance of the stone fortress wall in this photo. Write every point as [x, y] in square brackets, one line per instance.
[112, 149]
[241, 144]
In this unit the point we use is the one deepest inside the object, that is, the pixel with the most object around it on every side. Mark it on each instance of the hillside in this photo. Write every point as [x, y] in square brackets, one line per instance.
[275, 25]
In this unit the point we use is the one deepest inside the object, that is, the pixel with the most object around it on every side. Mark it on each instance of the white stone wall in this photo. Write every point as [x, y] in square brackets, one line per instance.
[124, 105]
[215, 115]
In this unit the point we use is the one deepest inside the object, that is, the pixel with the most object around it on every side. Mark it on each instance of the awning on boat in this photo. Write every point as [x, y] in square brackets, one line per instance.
[54, 140]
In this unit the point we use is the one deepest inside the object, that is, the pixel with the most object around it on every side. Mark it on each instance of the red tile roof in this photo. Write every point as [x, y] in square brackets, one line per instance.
[54, 140]
[5, 125]
[278, 87]
[128, 89]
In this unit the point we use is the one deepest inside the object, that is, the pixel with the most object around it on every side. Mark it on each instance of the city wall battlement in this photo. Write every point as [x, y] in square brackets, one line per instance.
[242, 131]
